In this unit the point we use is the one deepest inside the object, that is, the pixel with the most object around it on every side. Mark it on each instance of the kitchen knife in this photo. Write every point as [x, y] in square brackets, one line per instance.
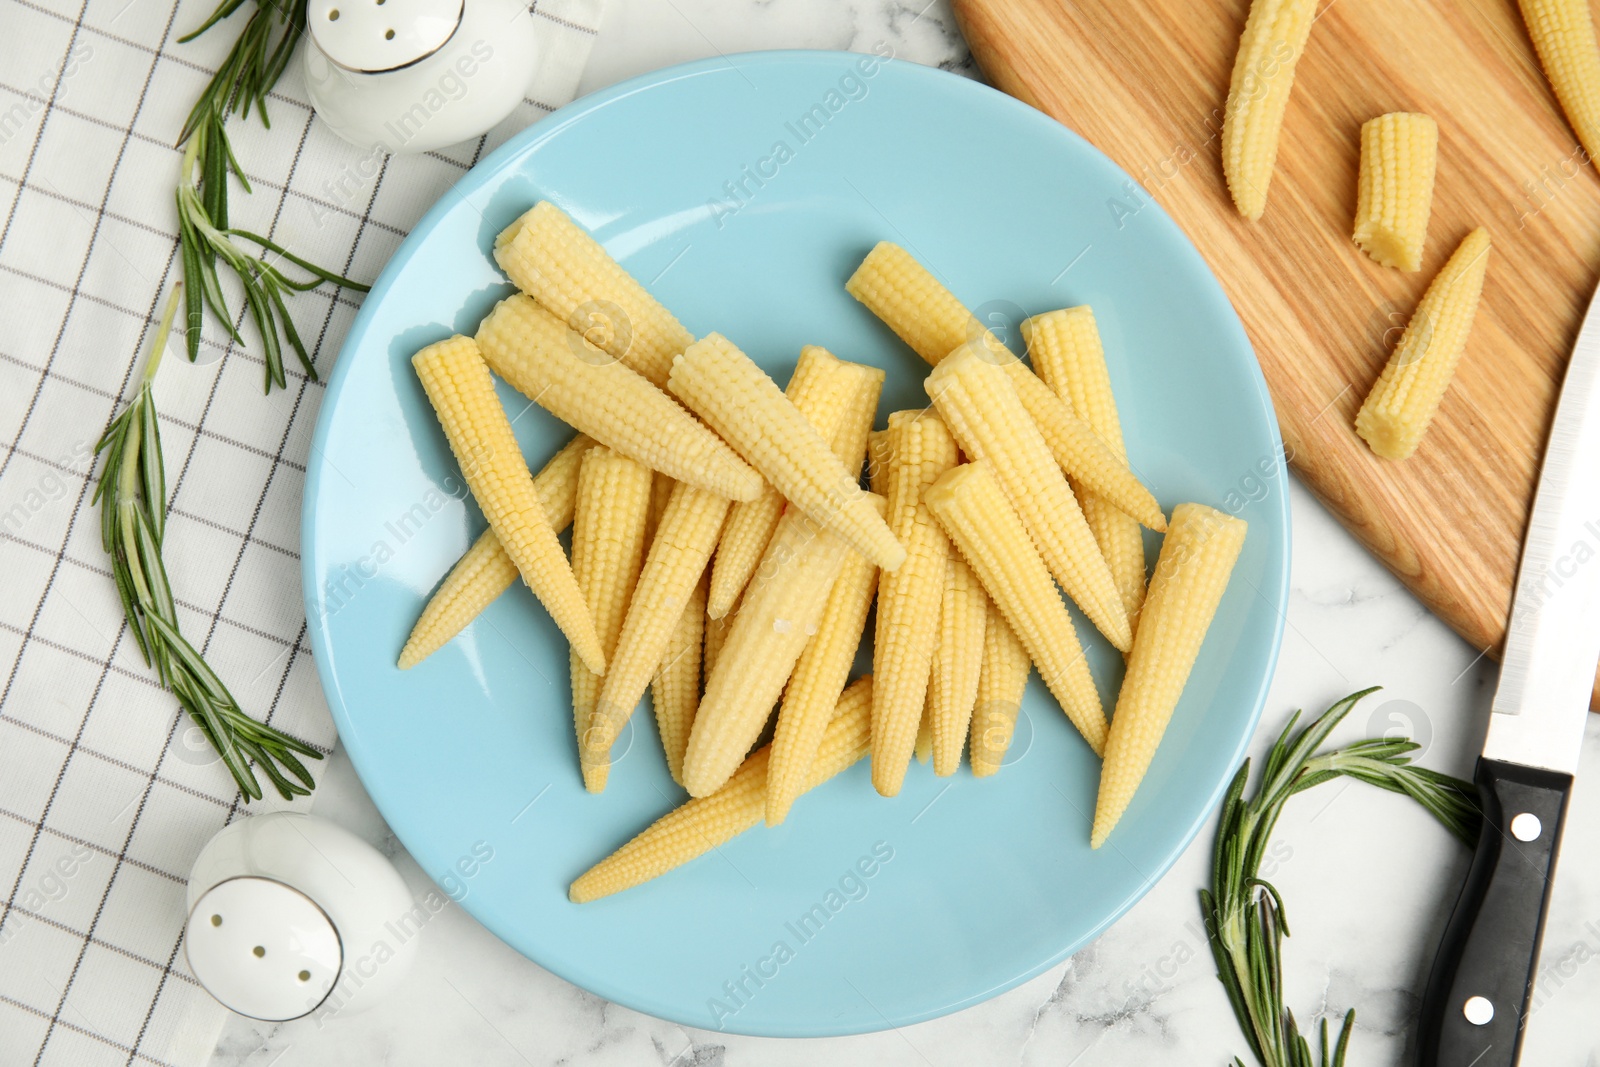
[1478, 997]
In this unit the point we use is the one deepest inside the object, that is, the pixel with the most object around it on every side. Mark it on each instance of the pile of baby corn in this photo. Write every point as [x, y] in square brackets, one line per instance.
[720, 531]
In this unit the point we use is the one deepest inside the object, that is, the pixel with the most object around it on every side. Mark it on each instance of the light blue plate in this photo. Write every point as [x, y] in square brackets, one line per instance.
[743, 192]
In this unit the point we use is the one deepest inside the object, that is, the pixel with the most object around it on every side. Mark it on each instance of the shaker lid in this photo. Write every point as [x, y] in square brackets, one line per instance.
[378, 35]
[262, 948]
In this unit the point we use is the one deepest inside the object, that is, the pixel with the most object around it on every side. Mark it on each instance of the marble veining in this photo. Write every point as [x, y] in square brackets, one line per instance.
[1367, 877]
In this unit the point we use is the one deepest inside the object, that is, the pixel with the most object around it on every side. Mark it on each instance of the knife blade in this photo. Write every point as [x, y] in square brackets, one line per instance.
[1478, 996]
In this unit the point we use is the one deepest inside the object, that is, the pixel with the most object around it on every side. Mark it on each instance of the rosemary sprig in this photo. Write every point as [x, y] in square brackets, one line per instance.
[253, 66]
[132, 495]
[1244, 914]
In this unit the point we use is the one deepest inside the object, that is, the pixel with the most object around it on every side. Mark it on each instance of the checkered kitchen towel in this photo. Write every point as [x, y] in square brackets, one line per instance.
[106, 794]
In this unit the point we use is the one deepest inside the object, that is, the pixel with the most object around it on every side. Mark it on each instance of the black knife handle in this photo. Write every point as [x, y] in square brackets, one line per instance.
[1490, 948]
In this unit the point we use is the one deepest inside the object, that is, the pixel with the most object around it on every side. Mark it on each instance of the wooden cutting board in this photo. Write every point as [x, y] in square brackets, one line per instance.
[1146, 80]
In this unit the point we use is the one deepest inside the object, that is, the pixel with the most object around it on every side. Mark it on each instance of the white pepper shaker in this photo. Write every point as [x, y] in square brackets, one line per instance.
[289, 913]
[415, 75]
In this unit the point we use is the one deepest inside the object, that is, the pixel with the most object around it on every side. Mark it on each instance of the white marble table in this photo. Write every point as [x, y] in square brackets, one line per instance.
[1368, 878]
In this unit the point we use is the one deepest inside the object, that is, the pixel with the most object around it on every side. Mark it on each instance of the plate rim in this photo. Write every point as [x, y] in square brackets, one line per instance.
[506, 155]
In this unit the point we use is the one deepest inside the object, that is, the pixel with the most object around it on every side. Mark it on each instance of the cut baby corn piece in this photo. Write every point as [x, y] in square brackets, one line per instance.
[607, 552]
[675, 690]
[818, 677]
[704, 823]
[912, 302]
[485, 571]
[957, 659]
[461, 390]
[1394, 194]
[928, 317]
[1402, 403]
[1563, 35]
[827, 391]
[1263, 73]
[1196, 560]
[1001, 682]
[779, 612]
[920, 449]
[1066, 352]
[845, 400]
[736, 398]
[587, 389]
[986, 529]
[672, 568]
[981, 408]
[555, 261]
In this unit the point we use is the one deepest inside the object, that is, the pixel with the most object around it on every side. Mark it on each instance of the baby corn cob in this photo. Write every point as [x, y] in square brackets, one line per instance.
[553, 260]
[780, 611]
[826, 390]
[704, 823]
[1263, 73]
[581, 386]
[736, 398]
[878, 461]
[920, 450]
[675, 690]
[818, 677]
[476, 580]
[672, 568]
[685, 833]
[928, 317]
[981, 407]
[461, 390]
[849, 439]
[973, 510]
[1001, 682]
[957, 659]
[607, 552]
[1401, 405]
[1399, 154]
[1196, 560]
[1563, 35]
[1067, 354]
[485, 571]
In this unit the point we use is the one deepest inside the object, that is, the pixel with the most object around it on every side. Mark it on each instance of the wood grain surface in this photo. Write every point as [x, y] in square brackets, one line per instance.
[1146, 82]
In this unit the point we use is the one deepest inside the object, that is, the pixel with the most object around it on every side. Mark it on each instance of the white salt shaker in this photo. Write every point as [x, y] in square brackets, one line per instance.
[289, 913]
[414, 75]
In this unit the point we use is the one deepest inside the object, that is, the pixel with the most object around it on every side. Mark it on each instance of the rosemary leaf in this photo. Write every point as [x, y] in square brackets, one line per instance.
[132, 498]
[258, 58]
[154, 485]
[1245, 917]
